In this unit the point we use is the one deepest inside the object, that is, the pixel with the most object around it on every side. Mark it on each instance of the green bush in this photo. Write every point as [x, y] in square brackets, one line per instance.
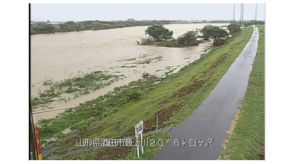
[134, 95]
[213, 32]
[234, 28]
[188, 39]
[146, 41]
[167, 43]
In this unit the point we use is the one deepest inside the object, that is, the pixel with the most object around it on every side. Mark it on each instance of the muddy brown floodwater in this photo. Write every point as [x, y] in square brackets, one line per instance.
[65, 55]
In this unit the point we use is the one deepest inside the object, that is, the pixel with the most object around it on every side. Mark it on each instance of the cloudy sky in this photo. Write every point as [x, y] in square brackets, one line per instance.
[79, 12]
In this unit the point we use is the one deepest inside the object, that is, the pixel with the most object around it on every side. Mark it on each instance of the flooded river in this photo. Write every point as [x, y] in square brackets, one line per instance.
[65, 55]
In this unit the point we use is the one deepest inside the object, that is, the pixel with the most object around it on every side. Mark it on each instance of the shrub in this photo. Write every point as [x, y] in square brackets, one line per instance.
[188, 39]
[167, 43]
[146, 41]
[217, 34]
[134, 94]
[234, 28]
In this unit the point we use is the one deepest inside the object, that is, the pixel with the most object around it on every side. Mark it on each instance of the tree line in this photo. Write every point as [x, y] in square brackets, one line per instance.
[69, 26]
[161, 36]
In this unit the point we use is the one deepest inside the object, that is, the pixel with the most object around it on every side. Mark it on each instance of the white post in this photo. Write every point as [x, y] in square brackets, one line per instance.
[138, 151]
[139, 137]
[142, 143]
[137, 144]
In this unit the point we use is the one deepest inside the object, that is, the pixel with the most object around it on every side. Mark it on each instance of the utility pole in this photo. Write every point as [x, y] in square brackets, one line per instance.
[234, 8]
[241, 14]
[255, 13]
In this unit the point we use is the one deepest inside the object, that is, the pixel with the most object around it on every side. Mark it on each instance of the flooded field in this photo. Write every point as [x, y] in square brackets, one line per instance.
[61, 56]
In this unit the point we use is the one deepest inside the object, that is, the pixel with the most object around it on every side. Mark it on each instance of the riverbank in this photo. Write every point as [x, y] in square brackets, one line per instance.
[172, 99]
[247, 134]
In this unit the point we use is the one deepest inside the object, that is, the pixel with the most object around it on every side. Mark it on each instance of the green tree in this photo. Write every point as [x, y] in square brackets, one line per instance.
[234, 28]
[188, 39]
[42, 28]
[158, 33]
[207, 31]
[217, 34]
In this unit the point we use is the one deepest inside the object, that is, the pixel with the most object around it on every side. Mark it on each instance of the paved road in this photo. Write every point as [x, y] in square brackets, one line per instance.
[202, 135]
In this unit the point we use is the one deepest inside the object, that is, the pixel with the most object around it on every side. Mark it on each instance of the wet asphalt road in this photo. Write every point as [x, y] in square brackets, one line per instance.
[202, 134]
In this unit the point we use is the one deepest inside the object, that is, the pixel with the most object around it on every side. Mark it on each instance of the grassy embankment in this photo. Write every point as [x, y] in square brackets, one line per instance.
[114, 115]
[247, 139]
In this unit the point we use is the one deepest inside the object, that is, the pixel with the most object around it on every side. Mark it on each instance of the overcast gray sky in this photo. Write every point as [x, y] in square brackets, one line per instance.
[79, 12]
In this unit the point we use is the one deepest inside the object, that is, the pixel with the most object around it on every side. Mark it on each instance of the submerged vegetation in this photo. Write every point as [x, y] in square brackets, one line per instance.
[77, 119]
[188, 39]
[143, 59]
[71, 88]
[170, 99]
